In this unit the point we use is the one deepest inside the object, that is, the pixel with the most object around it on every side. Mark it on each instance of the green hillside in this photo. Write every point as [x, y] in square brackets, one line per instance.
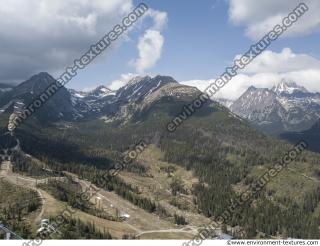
[224, 152]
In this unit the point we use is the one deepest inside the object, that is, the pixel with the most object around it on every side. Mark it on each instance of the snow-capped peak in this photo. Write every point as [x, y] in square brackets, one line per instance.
[288, 87]
[101, 91]
[286, 107]
[78, 94]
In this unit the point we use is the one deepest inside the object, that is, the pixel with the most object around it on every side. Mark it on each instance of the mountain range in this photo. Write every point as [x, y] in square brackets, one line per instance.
[189, 176]
[69, 104]
[285, 107]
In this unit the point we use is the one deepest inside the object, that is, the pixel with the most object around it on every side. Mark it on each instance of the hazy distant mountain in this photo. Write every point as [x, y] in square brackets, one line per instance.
[5, 88]
[225, 102]
[287, 88]
[285, 107]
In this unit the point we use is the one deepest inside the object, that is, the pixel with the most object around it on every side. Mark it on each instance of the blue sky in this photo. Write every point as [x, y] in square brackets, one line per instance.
[200, 41]
[200, 38]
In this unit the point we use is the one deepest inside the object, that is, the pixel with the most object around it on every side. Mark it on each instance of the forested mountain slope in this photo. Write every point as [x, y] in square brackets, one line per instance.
[223, 151]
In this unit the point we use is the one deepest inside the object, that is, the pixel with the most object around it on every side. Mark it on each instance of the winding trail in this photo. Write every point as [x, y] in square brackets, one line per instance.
[140, 221]
[6, 172]
[167, 231]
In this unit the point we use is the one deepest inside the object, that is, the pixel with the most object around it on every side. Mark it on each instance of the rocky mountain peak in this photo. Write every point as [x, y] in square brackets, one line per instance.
[252, 88]
[36, 84]
[100, 92]
[287, 106]
[138, 79]
[69, 104]
[140, 87]
[288, 87]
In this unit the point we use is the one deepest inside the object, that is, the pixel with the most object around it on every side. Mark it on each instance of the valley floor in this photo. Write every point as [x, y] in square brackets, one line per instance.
[140, 224]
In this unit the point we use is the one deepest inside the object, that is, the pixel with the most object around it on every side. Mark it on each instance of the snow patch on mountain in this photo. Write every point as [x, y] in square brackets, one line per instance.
[288, 87]
[286, 107]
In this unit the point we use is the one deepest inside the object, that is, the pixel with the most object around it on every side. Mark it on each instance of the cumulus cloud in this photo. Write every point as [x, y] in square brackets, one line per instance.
[151, 43]
[259, 17]
[150, 49]
[284, 61]
[123, 80]
[269, 69]
[39, 35]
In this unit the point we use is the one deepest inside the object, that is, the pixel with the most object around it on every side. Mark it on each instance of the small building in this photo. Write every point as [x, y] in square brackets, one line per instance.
[45, 227]
[124, 216]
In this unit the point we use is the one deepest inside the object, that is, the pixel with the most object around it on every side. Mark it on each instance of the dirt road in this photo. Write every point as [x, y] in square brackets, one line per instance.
[6, 172]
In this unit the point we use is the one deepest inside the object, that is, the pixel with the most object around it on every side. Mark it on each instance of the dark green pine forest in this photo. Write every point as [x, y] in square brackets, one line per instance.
[223, 151]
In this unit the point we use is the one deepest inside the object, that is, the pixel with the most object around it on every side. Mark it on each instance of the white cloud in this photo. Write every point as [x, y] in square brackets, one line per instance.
[150, 48]
[40, 35]
[123, 80]
[160, 19]
[269, 69]
[259, 17]
[89, 88]
[284, 61]
[151, 43]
